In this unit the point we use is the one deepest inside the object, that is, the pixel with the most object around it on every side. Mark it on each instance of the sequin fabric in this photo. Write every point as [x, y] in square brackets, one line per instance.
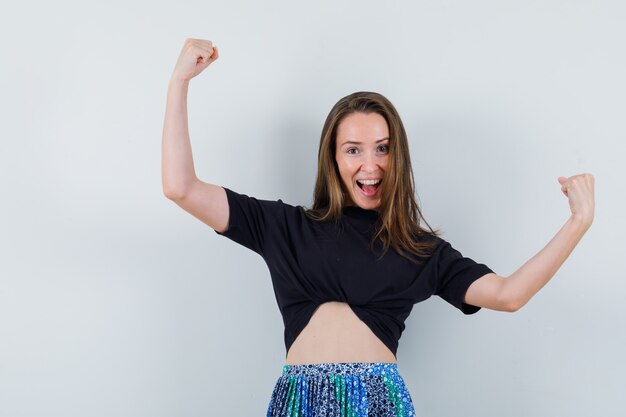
[347, 389]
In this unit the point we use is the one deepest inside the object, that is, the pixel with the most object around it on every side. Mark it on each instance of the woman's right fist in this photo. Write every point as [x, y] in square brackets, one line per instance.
[196, 55]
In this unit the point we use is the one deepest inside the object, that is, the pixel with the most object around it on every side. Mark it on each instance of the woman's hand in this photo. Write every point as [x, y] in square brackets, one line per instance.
[196, 55]
[579, 190]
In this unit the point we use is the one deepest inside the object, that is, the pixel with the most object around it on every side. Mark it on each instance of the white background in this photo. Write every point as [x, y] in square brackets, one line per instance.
[116, 302]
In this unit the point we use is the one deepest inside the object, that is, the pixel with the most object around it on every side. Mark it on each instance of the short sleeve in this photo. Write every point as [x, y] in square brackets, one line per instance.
[455, 273]
[250, 220]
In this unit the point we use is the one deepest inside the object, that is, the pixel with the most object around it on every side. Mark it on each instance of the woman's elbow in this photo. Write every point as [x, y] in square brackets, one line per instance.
[514, 305]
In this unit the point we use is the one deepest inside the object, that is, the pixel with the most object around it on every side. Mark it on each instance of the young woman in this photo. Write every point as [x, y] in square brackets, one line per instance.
[347, 272]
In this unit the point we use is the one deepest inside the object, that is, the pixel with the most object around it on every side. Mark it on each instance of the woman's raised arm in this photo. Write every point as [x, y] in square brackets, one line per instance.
[516, 290]
[205, 201]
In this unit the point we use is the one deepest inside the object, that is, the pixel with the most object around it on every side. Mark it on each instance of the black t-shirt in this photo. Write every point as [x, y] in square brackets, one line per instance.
[314, 262]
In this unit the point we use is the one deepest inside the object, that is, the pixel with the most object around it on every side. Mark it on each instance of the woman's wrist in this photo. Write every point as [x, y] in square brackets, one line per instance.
[581, 220]
[178, 81]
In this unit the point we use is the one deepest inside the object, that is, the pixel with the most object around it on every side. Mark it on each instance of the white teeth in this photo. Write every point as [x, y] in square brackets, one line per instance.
[368, 182]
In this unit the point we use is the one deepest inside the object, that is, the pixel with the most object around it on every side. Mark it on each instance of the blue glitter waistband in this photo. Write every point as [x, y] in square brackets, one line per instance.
[341, 368]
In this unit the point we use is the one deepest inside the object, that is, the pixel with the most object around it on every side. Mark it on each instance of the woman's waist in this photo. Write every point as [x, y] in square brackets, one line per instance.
[338, 342]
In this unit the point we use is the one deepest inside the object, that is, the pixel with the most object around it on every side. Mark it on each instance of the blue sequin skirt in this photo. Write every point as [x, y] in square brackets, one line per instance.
[347, 389]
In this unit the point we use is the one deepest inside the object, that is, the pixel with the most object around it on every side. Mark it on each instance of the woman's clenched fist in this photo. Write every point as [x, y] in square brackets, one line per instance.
[196, 55]
[579, 190]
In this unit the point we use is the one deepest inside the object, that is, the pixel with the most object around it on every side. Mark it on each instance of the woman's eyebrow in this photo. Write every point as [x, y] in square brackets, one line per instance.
[358, 143]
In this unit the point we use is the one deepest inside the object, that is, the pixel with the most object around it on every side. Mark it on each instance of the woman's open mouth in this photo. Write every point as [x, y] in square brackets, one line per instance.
[369, 187]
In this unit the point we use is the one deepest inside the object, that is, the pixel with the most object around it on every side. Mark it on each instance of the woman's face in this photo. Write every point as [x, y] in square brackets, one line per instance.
[362, 153]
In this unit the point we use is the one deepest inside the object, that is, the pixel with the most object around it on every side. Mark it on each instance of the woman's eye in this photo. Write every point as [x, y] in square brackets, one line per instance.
[384, 148]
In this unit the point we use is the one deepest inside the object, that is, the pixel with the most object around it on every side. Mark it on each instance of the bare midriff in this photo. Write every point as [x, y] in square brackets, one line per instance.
[335, 334]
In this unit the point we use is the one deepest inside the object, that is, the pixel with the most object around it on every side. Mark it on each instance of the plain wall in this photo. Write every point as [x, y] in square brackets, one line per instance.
[116, 302]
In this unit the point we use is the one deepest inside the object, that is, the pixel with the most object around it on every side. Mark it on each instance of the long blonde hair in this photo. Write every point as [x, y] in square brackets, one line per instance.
[399, 214]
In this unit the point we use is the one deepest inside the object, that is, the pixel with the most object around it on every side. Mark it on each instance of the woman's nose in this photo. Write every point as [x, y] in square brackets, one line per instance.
[370, 162]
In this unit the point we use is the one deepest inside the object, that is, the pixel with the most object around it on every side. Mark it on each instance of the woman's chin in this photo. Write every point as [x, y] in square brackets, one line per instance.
[366, 203]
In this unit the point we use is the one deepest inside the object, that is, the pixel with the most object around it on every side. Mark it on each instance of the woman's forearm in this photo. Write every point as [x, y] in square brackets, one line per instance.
[524, 283]
[177, 168]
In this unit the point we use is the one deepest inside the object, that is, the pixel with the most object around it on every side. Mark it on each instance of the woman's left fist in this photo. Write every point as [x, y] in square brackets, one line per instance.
[579, 190]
